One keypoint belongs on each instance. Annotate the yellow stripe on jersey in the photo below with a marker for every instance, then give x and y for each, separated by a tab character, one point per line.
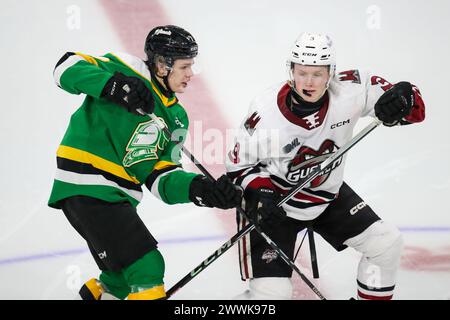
96	161
163	164
89	59
154	293
166	101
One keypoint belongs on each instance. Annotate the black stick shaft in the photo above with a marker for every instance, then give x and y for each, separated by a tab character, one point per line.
252	226
205	263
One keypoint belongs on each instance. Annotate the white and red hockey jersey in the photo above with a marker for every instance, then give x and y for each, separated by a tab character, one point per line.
276	148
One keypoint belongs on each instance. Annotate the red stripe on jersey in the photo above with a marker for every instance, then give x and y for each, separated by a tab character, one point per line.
244	251
369	297
302	196
259	182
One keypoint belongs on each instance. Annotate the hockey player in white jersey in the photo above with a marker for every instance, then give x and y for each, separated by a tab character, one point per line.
292	127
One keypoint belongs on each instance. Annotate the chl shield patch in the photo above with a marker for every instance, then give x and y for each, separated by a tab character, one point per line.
145	142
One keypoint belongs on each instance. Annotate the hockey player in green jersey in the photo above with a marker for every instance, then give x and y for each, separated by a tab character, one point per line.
112	147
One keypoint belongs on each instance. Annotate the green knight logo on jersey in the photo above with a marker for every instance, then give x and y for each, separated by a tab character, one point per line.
145	142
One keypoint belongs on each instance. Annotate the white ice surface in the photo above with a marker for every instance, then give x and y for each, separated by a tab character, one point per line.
402	173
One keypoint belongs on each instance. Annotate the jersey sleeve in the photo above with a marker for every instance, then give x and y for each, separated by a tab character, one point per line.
375	86
168	181
245	161
79	73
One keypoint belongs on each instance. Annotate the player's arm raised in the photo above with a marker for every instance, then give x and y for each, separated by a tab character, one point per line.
395	104
79	73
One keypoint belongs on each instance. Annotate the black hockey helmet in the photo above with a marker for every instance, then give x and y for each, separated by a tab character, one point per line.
170	42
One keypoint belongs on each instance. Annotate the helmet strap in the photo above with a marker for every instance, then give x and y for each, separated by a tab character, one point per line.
166	82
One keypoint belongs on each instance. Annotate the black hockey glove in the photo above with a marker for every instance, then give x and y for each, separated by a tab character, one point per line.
395	104
221	194
261	205
130	93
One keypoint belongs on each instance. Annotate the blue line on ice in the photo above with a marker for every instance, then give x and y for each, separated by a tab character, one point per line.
425	229
73	252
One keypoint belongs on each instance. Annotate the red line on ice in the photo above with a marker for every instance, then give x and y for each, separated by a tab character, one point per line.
132	20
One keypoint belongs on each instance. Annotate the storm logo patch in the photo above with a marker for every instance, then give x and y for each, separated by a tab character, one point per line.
251	123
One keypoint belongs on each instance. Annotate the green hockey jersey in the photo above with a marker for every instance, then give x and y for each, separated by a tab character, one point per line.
109	153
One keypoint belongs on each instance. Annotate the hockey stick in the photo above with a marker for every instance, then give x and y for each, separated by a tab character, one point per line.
235	238
250	227
313	253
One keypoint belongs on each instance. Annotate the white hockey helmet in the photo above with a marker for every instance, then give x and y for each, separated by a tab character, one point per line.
313	49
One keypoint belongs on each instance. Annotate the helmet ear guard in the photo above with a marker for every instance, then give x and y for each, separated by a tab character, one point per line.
159	62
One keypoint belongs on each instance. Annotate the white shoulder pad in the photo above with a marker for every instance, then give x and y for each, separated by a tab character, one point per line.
351	80
134	63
